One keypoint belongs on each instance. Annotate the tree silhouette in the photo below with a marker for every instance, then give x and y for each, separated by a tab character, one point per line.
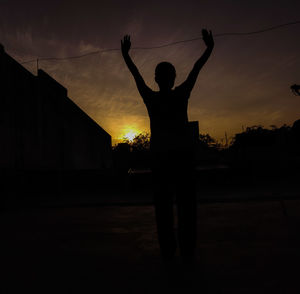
141	142
206	142
296	89
276	138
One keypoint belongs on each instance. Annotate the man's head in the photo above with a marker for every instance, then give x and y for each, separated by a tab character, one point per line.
165	75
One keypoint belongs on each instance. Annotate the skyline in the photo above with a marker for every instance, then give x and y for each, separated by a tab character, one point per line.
246	81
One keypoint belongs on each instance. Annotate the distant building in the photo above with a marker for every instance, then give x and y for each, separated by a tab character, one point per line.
41	128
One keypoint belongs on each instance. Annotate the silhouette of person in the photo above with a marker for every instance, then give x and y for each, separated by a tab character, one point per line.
171	151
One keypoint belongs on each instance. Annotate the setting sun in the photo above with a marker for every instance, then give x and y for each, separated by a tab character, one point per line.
130	135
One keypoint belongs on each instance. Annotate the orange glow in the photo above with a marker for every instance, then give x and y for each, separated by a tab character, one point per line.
129	133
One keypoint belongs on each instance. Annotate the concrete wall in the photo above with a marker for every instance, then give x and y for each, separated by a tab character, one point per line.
41	128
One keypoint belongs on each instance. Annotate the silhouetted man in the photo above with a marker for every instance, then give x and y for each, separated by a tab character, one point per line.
172	156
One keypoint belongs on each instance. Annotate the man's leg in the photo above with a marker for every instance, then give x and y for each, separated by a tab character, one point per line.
187	213
163	203
165	226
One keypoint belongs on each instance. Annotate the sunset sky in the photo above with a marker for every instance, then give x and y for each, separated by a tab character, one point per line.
246	81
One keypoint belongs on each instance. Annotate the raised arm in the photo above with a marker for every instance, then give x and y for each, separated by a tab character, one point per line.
192	77
141	85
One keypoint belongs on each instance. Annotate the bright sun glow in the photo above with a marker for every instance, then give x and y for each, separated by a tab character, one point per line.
130	135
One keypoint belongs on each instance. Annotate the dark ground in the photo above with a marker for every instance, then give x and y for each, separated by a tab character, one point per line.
243	247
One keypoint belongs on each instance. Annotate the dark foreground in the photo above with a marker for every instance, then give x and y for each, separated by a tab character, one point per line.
243	247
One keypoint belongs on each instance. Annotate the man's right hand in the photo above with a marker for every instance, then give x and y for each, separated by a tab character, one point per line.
125	44
208	39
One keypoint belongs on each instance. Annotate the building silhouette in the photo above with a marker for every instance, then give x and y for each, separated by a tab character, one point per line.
41	128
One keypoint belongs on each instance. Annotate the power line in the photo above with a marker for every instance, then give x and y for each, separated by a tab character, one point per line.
259	31
164	45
